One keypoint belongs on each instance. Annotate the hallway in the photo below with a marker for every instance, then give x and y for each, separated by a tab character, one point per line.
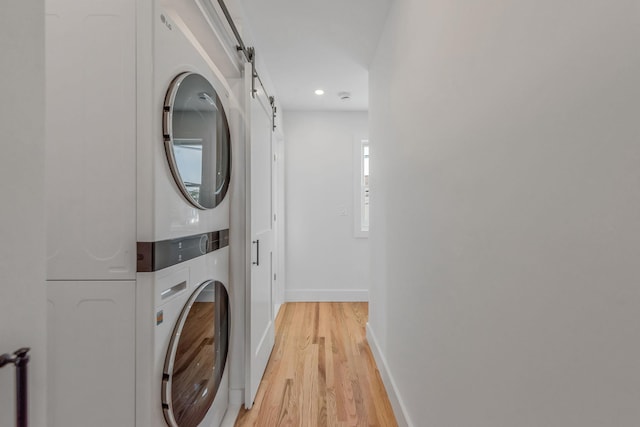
321	371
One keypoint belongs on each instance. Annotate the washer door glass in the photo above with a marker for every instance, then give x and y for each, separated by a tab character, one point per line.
197	140
197	356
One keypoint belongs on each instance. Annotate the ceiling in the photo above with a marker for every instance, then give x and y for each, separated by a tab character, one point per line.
317	44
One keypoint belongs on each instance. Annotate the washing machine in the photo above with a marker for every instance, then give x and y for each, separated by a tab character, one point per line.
182	295
185	382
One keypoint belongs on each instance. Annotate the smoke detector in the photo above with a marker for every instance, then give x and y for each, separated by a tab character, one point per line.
344	96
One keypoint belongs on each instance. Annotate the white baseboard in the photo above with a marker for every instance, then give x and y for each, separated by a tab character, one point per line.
326	295
399	408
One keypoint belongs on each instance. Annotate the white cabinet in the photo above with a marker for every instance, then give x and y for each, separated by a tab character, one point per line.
90	188
90	139
91	354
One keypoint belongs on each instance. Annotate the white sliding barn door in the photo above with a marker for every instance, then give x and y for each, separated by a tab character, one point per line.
259	321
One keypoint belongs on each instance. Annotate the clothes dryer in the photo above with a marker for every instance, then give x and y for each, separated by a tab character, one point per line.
184	145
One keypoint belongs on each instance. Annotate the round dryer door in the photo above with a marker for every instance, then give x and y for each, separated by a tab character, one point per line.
197	140
197	356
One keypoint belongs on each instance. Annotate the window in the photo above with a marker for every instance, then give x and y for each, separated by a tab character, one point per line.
364	185
361	188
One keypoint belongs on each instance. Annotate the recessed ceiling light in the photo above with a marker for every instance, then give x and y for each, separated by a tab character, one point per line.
319	92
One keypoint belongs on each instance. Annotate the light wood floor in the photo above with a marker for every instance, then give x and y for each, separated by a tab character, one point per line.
321	372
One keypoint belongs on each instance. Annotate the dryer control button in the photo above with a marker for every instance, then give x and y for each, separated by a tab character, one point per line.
204	240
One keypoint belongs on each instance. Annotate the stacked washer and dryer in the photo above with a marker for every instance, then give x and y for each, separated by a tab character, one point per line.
184	170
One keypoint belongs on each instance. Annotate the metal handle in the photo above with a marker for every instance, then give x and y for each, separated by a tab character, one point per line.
257	261
20	359
173	290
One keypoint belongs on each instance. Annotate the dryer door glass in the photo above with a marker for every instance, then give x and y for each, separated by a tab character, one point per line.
197	140
197	356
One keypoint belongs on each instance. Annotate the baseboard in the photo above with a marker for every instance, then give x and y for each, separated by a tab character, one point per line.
399	408
326	295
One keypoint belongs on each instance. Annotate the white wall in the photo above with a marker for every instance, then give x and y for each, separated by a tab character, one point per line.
22	256
505	226
324	261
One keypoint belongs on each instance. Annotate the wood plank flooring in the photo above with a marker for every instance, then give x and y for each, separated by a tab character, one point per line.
321	372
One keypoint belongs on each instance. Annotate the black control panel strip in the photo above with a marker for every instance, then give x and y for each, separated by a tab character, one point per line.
154	256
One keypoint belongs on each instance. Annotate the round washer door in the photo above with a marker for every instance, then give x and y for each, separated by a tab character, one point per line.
197	140
197	356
